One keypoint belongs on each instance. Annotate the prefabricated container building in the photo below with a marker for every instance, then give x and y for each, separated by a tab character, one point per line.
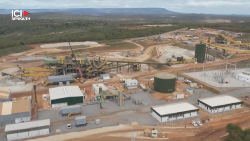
27	129
64	96
170	112
5	95
105	77
218	104
243	77
131	84
80	120
15	111
71	109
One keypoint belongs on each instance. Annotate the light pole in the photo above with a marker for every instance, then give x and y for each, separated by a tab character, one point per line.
203	65
194	65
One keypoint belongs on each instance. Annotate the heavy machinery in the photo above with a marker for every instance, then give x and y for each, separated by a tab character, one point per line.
170	62
73	113
35	75
78	67
11	76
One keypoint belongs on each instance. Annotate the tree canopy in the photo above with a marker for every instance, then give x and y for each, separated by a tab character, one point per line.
236	133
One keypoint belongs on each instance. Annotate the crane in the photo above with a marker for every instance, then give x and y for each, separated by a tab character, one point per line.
78	68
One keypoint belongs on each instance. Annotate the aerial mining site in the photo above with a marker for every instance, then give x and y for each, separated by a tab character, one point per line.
184	84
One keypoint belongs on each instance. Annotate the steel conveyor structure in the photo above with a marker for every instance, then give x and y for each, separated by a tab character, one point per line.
227	48
234	43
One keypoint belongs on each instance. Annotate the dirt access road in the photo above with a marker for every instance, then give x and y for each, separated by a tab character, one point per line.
212	131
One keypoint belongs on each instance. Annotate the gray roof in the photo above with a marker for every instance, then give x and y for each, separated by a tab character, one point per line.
104	74
60	78
165	76
80	117
27	125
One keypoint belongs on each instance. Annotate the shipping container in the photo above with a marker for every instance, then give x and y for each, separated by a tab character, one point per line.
180	78
193	85
190	91
97	121
71	110
81	121
179	96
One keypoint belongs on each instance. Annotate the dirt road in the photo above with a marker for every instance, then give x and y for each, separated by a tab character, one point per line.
209	132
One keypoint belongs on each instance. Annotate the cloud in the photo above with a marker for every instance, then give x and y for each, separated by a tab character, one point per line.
212	3
186	6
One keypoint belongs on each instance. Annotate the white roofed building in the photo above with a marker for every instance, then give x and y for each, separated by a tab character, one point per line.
105	77
31	129
170	112
243	77
219	103
5	95
131	83
64	96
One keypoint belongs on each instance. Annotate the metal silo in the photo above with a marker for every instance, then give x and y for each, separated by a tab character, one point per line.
200	52
164	83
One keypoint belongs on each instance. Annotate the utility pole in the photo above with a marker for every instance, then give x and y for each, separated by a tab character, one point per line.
100	97
34	87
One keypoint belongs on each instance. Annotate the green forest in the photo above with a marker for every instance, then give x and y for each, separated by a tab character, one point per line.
16	35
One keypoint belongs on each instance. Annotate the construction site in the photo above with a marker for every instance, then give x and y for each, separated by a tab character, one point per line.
129	93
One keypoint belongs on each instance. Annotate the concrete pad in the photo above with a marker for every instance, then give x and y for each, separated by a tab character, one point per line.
209	78
169	51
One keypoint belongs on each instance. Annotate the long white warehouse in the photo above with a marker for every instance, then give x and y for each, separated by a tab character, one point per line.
170	112
24	130
219	103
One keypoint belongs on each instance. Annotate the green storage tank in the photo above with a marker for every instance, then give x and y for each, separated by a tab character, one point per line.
200	52
164	83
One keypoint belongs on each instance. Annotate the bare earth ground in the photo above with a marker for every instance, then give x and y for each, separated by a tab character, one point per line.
209	132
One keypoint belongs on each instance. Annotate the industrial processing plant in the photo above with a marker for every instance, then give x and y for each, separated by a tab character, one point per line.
180	84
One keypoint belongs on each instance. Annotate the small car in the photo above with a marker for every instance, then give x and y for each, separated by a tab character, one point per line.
194	123
69	126
199	123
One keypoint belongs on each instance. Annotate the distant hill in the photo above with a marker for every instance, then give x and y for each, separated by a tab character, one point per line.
100	11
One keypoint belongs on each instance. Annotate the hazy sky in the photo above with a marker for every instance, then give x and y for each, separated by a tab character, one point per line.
184	6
